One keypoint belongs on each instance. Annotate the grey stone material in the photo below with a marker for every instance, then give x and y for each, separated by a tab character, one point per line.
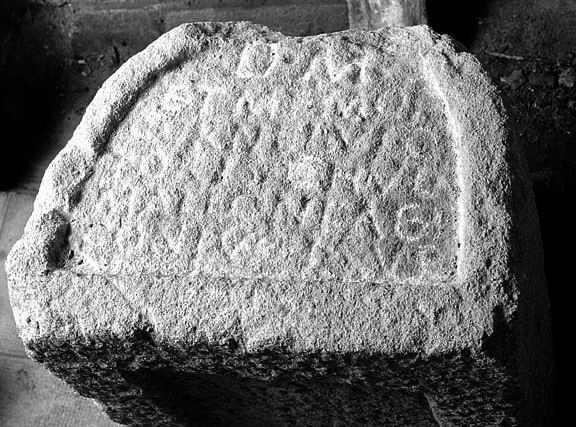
254	229
374	14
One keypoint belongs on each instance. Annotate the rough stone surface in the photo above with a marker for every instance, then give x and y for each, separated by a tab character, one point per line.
253	229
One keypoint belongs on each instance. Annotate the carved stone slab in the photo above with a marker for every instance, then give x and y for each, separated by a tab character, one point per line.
337	228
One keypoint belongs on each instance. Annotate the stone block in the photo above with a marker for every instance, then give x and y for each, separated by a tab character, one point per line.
253	229
374	14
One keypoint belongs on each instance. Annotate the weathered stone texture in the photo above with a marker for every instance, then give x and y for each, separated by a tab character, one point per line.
311	180
253	229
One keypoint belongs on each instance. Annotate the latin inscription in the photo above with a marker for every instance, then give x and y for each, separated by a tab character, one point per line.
316	159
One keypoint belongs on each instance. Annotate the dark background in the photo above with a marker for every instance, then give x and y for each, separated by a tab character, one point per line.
54	54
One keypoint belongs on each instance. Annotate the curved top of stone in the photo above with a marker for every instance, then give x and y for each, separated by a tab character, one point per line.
231	151
268	156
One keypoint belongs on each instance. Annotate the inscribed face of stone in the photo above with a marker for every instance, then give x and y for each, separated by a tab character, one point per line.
315	158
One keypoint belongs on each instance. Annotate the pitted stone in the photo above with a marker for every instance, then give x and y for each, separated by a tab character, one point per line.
290	218
312	197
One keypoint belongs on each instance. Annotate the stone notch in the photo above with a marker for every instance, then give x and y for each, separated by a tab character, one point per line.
253	229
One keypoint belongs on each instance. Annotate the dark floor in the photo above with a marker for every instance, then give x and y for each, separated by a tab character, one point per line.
54	54
30	395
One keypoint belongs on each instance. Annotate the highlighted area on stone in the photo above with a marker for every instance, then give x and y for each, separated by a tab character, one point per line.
253	229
